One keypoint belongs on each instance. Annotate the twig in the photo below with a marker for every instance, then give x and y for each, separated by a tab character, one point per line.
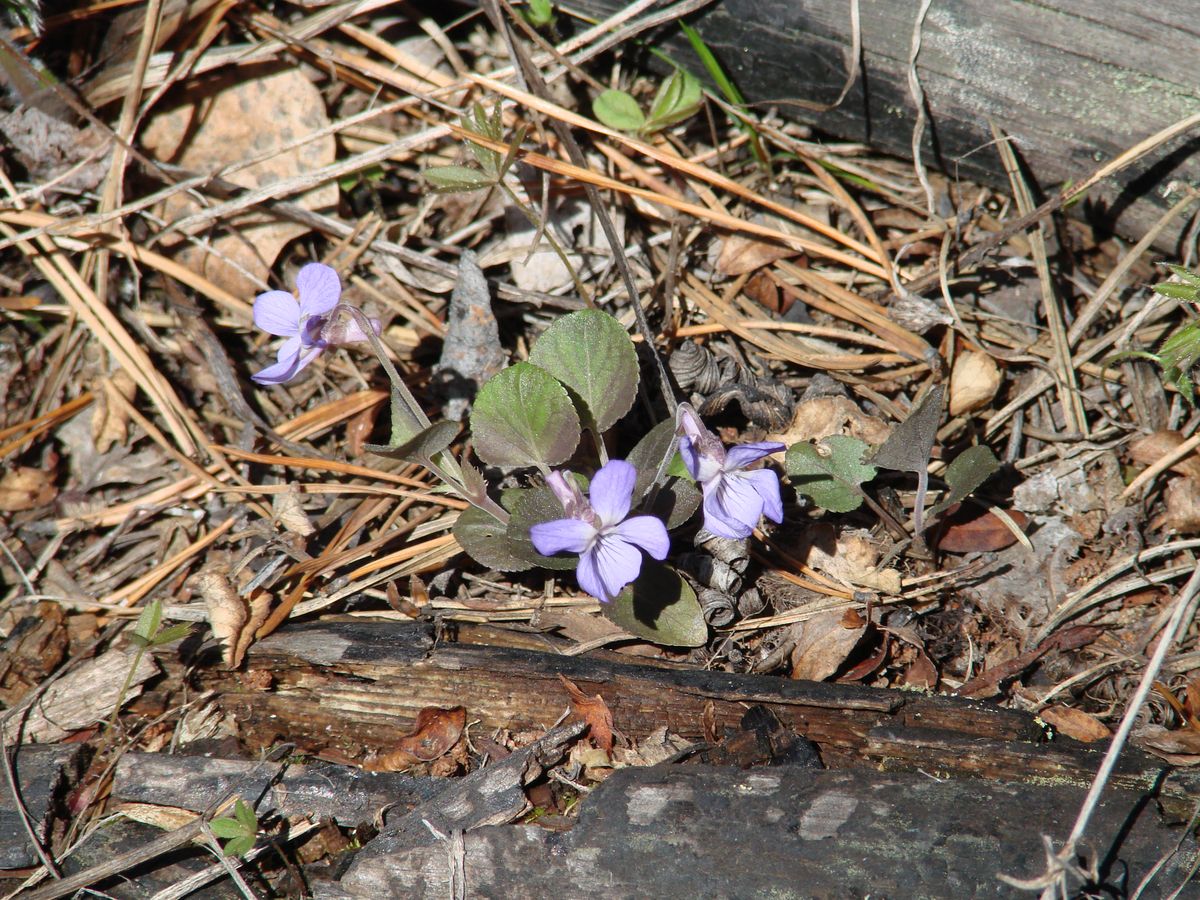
1182	614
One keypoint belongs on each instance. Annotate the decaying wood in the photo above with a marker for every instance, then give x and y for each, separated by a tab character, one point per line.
700	831
1073	83
40	773
345	794
353	685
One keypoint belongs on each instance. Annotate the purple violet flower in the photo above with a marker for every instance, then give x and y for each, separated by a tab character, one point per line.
596	528
305	323
734	500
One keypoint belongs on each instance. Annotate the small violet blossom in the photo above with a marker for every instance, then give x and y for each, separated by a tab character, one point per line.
597	529
306	322
734	500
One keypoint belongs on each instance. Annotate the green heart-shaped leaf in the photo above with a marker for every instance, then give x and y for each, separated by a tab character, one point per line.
969	470
522	416
831	473
591	353
660	607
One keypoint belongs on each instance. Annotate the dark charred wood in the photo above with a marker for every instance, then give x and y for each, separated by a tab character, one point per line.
784	832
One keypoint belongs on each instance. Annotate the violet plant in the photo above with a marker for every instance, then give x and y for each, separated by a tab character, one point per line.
582	377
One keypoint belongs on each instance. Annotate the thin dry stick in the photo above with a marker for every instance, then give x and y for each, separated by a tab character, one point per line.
918	96
1068	387
114	185
1182	614
977	252
1096	303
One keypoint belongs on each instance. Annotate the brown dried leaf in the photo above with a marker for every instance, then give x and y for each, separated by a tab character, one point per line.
227	614
822	646
761	288
220	123
24	487
971	529
1180	747
359	429
740	254
974	382
1146	451
1075	723
1183	506
922	673
849	557
110	421
595	712
435	733
1191	697
289	512
819	417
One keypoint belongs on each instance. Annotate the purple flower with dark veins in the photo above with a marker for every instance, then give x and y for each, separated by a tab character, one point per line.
734	499
609	545
305	322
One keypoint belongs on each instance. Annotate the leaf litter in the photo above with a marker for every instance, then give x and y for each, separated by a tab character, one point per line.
775	311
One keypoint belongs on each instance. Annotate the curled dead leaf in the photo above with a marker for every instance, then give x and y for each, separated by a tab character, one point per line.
594	711
820	417
974	382
24	487
289	512
110	420
434	734
1075	723
227	613
1146	451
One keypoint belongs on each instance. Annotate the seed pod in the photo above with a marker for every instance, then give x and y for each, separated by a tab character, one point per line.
718	607
695	368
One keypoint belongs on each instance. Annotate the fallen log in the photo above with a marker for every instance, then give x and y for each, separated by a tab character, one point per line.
702	831
1073	83
352	686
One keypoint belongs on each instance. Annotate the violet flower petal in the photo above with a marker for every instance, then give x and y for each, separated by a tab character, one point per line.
305	358
608	566
612	491
690	456
319	288
741	455
572	535
646	532
766	483
732	507
278	313
286	365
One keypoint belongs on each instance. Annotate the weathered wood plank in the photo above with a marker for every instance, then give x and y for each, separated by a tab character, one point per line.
1074	82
